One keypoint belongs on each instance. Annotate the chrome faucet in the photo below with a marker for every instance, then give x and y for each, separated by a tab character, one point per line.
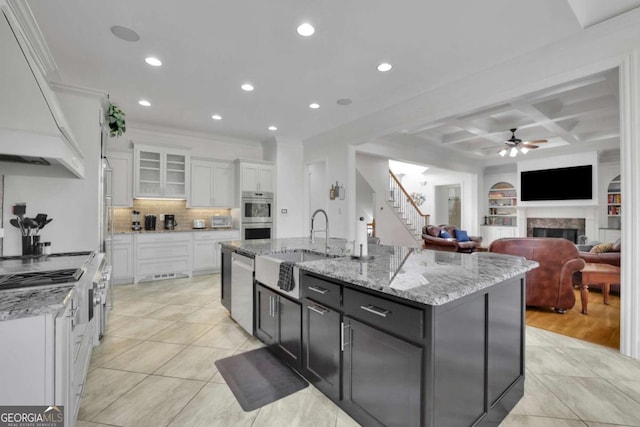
326	230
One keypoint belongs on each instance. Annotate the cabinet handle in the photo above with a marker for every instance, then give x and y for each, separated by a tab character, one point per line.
375	310
342	335
270	306
315	309
318	290
276	308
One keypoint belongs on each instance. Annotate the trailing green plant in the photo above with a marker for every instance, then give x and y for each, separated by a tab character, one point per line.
117	123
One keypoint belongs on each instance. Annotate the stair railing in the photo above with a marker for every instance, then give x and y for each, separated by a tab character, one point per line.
414	219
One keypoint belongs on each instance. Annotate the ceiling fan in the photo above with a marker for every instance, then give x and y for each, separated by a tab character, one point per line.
513	145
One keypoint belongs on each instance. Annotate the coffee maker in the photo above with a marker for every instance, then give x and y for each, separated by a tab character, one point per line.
170	222
149	222
135	221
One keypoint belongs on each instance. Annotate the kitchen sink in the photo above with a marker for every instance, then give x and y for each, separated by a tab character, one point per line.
267	268
298	256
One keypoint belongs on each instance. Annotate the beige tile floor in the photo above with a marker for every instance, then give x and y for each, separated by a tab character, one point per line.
155	368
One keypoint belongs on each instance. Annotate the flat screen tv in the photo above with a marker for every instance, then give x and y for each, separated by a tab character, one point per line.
573	183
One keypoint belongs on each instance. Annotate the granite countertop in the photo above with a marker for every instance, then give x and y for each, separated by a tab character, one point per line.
420	275
177	230
252	248
35	301
50	299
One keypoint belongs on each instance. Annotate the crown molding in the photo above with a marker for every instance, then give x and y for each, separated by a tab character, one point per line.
79	90
149	129
34	38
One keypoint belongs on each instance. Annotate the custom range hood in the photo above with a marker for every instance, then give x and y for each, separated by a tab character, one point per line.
35	138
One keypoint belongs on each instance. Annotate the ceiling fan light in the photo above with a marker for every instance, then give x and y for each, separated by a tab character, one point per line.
513	152
503	152
524	150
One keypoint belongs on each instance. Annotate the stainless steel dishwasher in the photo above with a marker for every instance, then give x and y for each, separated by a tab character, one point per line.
242	291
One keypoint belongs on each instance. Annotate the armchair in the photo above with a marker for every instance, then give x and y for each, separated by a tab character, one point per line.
549	285
432	240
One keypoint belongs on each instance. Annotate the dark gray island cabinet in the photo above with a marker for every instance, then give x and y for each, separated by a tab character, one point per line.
390	361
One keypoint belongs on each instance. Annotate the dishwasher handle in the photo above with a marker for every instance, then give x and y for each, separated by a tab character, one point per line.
242	261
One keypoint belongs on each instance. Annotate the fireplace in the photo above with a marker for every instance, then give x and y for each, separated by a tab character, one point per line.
570	234
566	228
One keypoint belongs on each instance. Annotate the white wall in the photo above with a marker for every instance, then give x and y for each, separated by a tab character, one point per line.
416	183
365	197
289	187
340	166
72	203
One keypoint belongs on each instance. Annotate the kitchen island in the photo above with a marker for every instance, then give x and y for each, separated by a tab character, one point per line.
410	337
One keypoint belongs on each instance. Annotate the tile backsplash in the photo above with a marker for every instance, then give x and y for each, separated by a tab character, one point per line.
184	216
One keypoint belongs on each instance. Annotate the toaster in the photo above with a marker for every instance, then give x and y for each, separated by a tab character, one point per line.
198	223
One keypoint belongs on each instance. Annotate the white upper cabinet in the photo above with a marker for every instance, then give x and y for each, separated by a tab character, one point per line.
257	177
161	172
212	184
122	178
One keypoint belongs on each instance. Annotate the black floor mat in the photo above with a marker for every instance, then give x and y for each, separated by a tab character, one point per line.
257	378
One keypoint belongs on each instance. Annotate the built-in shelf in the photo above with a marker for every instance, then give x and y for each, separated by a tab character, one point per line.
502	203
614	202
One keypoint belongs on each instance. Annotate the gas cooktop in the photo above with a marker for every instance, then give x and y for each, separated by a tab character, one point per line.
23	271
40	278
35	257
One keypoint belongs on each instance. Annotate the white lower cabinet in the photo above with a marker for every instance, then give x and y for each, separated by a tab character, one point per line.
492	232
163	256
206	249
152	256
609	235
45	361
122	258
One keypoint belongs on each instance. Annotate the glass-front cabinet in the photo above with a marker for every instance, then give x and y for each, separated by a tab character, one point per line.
502	205
160	172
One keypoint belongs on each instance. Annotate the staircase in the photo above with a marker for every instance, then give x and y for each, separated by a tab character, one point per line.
405	209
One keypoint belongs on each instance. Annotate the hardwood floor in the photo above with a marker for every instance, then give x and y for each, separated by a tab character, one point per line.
600	326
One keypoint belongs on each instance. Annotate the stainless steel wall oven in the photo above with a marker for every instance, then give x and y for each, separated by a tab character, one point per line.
257	207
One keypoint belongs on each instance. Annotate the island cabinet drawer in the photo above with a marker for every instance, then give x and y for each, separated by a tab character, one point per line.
321	291
399	319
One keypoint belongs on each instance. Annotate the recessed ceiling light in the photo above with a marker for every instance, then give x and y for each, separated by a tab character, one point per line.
216	117
314	105
305	29
144	103
153	61
247	87
125	33
273	128
343	101
385	66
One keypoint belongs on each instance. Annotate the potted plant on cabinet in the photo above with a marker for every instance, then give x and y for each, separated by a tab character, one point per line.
117	124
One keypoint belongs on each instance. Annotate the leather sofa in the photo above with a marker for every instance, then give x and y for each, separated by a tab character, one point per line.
549	285
432	240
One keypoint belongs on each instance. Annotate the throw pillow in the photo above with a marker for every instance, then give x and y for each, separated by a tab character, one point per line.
616	246
601	248
445	235
462	236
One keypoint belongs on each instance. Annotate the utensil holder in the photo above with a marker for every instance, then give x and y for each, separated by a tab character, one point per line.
27	245
35	246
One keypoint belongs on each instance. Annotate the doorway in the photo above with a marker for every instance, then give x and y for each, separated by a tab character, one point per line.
448	205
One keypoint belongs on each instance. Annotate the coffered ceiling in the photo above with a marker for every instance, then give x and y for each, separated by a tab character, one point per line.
578	116
209	48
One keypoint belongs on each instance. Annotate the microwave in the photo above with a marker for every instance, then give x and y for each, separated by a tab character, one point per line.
221	221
